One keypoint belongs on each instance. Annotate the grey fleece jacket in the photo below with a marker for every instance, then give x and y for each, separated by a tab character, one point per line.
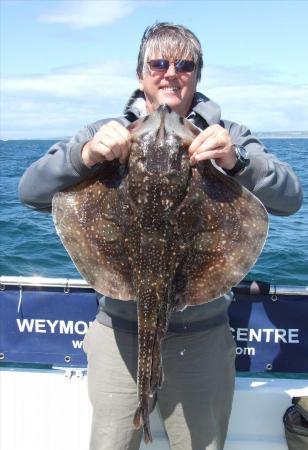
271	180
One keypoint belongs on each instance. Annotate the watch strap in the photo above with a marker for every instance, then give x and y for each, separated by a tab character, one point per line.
240	164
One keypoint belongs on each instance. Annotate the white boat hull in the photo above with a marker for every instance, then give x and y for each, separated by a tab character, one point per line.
48	410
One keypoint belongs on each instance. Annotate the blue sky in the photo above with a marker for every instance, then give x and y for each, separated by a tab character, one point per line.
66	63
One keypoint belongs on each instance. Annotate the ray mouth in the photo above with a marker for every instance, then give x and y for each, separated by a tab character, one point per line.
160	168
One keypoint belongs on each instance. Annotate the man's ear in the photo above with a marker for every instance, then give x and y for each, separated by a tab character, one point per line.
141	84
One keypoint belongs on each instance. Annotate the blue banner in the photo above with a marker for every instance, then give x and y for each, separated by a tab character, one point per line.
47	326
271	332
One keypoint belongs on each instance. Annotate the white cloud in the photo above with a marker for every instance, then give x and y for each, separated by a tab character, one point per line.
262	100
89	13
62	101
103	80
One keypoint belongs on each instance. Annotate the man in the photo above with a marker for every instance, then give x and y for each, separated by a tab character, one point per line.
196	396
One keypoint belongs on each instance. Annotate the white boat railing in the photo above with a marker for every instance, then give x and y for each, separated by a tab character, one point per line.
43	282
68	283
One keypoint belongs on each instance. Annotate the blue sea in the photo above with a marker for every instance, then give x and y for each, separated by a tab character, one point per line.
30	246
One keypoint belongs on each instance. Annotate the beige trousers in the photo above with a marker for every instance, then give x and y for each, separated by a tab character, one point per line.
195	399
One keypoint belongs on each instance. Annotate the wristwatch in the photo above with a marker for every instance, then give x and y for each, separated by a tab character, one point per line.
242	160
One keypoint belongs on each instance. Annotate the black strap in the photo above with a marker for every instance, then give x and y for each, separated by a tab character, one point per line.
186	327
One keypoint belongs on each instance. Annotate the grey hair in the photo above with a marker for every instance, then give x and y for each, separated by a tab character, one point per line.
169	41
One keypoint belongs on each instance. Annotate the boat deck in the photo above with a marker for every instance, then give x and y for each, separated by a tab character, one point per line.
50	410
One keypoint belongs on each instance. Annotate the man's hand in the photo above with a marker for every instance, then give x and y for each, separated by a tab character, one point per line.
110	142
213	143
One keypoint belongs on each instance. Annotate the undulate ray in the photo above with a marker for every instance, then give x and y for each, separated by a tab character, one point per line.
161	232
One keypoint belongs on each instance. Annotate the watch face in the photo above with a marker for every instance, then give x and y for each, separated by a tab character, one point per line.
242	160
242	154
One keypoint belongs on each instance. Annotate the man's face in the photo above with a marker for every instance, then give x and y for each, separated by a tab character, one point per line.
174	88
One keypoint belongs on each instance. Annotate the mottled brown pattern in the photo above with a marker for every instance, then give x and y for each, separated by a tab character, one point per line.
161	232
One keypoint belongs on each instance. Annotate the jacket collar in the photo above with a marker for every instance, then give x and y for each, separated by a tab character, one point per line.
201	106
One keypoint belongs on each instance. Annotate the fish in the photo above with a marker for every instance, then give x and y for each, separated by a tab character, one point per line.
160	231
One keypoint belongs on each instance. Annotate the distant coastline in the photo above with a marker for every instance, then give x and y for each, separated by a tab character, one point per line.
281	134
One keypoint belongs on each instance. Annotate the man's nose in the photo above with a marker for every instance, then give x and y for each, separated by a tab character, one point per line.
171	72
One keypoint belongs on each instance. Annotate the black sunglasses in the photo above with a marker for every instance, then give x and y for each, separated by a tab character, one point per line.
181	65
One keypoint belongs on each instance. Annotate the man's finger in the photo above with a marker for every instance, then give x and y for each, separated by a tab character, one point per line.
122	137
106	151
205	155
201	138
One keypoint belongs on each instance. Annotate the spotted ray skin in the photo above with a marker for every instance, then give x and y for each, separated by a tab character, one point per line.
161	232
